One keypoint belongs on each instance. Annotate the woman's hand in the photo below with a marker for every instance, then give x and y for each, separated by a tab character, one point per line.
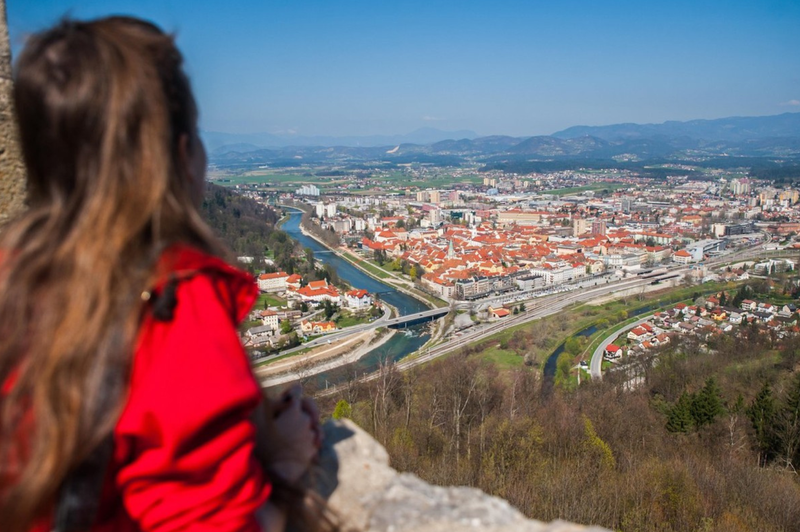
297	435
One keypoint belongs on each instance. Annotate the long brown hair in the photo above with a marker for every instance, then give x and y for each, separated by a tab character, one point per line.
102	108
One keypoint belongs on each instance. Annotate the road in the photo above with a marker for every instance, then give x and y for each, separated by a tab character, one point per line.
595	366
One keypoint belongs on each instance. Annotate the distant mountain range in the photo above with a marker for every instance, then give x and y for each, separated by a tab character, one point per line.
734	129
769	137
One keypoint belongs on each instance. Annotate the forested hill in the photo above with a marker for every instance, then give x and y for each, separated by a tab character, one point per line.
248	228
243	224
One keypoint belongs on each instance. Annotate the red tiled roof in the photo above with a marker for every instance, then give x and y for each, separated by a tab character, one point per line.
276	275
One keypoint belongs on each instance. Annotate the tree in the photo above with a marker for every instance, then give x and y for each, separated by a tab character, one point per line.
597	446
762	414
342	410
573	345
735	434
788	424
286	327
743	293
331	275
293	341
329	308
707	404
522	307
680	418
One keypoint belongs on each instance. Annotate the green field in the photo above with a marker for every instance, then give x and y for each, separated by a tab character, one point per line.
372	269
271	300
594	187
386	182
270	178
270	361
348	319
502	358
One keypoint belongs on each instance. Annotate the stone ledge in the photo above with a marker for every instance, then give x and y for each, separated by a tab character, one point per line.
369	496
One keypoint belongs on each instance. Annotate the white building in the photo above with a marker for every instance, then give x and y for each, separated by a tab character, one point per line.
272	282
683	257
307	190
358	299
556	274
324	210
270	319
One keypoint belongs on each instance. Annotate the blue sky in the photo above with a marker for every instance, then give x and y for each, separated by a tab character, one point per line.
352	67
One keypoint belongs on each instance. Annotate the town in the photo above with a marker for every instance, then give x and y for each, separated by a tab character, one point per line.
489	246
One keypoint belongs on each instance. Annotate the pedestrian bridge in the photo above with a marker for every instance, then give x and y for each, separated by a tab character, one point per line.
414	319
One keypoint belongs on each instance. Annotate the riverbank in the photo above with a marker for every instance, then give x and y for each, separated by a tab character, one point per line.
324	358
395	283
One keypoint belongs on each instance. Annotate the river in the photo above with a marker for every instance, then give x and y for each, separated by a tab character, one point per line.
401	344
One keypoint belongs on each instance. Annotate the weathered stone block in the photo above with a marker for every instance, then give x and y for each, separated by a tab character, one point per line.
368	495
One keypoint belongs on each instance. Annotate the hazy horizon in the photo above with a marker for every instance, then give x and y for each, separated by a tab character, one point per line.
314	68
478	134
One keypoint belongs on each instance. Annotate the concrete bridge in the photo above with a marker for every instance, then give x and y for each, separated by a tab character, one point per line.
413	319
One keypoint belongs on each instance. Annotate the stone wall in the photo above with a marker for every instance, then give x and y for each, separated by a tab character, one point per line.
12	178
369	496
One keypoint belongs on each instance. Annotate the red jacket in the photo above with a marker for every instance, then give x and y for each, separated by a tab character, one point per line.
183	447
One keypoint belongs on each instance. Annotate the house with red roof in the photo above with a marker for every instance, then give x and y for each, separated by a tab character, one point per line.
612	351
661	339
749	304
357	299
499	312
293	281
317	327
318	291
638	334
683	257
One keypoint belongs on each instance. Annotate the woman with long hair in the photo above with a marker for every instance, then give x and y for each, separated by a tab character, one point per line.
126	399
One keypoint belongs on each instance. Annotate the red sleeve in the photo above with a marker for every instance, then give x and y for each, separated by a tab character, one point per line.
185	439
